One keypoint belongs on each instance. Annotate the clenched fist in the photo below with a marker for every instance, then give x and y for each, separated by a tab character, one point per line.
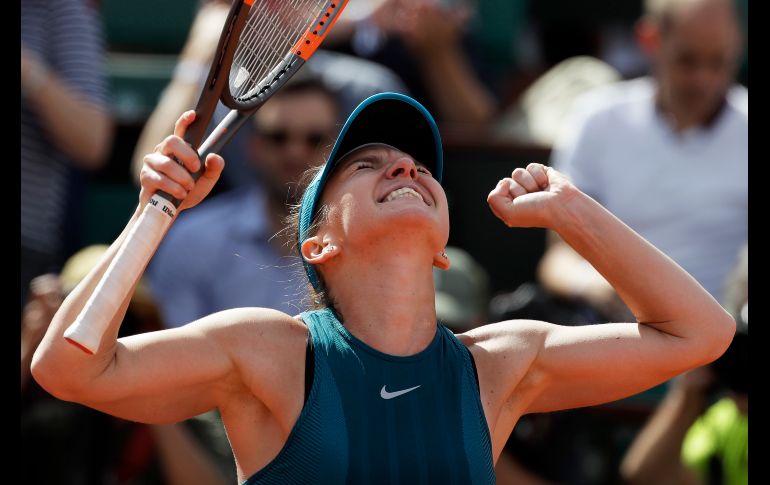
531	196
161	171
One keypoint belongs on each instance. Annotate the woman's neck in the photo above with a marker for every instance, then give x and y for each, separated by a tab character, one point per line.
387	301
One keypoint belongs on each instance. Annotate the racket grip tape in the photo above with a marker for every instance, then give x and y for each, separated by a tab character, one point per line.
124	270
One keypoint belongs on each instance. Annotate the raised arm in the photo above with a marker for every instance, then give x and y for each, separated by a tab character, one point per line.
566	274
680	326
158	376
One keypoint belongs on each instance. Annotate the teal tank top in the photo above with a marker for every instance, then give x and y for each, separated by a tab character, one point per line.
374	418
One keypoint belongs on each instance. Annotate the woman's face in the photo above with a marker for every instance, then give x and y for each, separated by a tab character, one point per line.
381	192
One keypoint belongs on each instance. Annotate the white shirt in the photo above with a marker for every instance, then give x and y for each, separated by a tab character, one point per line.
685	193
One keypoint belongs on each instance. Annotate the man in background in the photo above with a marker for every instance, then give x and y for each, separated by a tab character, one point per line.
668	154
232	252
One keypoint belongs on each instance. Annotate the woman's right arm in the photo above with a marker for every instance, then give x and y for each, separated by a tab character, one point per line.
158	376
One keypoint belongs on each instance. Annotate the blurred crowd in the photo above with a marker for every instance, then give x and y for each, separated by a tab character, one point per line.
643	104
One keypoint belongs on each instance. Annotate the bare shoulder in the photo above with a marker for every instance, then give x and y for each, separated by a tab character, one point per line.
519	336
504	353
255	331
251	322
267	348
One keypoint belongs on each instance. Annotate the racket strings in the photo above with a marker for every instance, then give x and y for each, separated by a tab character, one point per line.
272	29
249	39
266	56
286	37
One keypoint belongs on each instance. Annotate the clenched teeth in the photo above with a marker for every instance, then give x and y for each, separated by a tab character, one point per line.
403	192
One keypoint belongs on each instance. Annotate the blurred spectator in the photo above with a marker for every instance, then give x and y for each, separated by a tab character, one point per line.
462	292
690	440
189	75
45	296
67	443
426	43
655	152
540	114
232	252
351	79
65	123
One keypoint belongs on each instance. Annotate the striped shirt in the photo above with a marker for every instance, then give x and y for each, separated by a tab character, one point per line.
66	35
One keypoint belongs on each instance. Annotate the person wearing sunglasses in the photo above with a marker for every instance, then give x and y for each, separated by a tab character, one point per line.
232	235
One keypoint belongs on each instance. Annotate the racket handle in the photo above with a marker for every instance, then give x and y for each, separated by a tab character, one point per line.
222	134
124	270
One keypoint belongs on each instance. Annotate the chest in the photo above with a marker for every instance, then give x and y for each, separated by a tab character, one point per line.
406	421
371	418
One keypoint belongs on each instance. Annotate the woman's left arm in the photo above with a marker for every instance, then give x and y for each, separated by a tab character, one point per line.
679	325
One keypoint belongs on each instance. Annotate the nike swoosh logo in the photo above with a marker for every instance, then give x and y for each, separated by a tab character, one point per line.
390	395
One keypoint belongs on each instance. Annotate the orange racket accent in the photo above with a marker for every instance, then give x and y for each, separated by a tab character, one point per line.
266	62
313	37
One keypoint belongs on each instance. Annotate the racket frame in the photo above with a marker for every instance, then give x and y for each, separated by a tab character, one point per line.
144	237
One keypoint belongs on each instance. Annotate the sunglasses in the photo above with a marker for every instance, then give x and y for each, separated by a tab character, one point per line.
281	138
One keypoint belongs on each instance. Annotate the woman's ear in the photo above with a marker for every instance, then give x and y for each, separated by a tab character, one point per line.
441	260
317	251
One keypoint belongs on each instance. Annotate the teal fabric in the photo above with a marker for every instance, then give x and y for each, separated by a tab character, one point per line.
348	433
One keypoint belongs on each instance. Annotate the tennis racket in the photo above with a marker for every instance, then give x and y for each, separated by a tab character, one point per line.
262	45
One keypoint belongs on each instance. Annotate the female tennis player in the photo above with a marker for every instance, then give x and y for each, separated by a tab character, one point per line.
369	387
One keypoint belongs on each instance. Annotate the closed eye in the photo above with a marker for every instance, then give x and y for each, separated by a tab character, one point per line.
361	165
